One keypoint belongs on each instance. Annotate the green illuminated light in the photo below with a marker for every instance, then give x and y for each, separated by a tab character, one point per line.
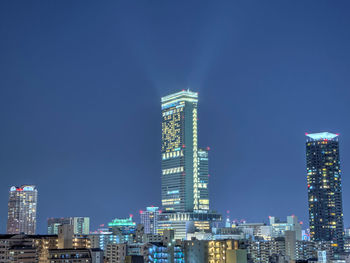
122	222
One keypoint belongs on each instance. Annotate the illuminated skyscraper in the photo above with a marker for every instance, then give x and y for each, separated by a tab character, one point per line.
203	178
185	177
324	189
149	219
181	183
22	210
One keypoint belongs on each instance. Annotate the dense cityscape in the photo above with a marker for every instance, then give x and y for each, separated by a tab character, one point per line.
184	227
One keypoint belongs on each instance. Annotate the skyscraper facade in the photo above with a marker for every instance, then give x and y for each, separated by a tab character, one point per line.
22	208
203	178
185	174
81	225
324	189
181	184
149	218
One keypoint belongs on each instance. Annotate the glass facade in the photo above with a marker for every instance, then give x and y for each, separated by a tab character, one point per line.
203	179
183	181
81	225
324	189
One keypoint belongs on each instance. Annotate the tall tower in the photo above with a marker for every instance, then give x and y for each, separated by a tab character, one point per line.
324	189
22	210
185	175
180	178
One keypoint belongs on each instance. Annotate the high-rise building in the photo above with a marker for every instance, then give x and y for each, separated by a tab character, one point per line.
185	175
22	210
203	179
181	184
81	225
149	218
324	189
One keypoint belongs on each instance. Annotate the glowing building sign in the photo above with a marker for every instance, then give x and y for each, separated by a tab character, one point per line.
122	222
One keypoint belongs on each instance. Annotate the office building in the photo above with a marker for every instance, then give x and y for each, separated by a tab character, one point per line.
185	174
203	179
180	180
102	237
54	223
324	189
278	227
22	208
124	229
149	218
81	225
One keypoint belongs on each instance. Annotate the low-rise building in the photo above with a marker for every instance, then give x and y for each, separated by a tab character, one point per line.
81	255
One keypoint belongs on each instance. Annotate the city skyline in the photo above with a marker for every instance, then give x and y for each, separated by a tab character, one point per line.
80	102
185	102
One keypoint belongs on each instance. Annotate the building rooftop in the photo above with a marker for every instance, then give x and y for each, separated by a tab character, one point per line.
185	95
322	135
122	222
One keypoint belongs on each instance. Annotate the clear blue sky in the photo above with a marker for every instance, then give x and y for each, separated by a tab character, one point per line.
80	88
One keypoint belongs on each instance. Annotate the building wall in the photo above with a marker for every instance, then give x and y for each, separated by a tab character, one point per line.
116	253
149	218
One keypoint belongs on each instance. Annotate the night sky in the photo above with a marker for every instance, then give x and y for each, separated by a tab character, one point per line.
80	89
